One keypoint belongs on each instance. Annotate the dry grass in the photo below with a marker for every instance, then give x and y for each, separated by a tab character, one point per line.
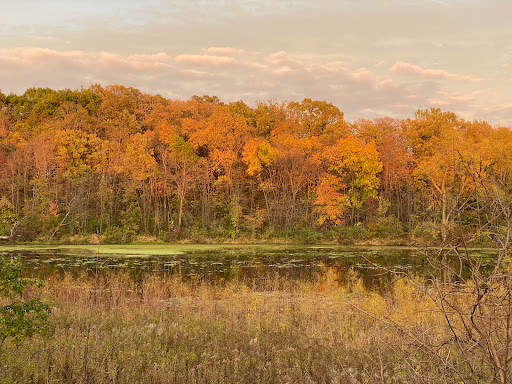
272	330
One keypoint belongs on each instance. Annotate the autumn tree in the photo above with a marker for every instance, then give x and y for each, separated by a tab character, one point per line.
295	171
350	177
396	188
314	118
140	168
179	162
117	112
437	140
221	140
78	155
92	159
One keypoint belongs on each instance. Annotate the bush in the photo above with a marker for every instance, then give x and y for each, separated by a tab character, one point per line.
131	222
351	234
113	235
427	232
163	236
307	236
20	318
387	227
7	216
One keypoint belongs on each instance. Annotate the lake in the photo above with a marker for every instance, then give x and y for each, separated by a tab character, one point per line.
219	263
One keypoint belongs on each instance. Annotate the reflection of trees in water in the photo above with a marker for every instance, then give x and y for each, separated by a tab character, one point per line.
371	265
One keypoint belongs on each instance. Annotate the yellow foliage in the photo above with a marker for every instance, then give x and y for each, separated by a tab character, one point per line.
350	178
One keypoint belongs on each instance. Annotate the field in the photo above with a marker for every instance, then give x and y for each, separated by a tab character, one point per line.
273	330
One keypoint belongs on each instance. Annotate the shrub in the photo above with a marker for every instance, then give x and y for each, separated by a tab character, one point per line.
20	318
7	216
351	234
113	235
387	227
307	236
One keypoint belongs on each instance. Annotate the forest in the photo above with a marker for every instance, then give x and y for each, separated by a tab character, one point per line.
117	165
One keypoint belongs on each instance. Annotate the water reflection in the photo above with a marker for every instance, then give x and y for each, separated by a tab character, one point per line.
301	263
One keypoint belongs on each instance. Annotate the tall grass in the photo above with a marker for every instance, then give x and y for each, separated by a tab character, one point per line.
269	330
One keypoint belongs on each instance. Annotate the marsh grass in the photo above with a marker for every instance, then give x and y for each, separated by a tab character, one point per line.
267	330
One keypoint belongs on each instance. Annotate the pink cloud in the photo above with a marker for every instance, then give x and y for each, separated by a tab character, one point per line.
208	60
223	51
284	70
43	57
135	62
36	57
328	67
280	55
401	67
257	66
362	75
359	91
192	73
284	58
144	63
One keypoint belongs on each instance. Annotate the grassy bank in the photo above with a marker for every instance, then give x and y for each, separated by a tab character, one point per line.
113	330
341	235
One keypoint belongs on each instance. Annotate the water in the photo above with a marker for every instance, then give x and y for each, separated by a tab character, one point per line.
374	265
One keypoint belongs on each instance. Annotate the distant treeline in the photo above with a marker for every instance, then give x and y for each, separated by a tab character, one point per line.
123	163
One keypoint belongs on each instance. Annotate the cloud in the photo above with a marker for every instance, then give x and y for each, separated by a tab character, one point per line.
193	74
362	75
135	62
223	51
404	68
207	60
31	58
231	74
399	62
36	57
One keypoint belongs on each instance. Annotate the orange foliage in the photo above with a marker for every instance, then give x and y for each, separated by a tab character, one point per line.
102	153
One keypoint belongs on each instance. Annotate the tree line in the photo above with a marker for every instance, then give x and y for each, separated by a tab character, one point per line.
121	163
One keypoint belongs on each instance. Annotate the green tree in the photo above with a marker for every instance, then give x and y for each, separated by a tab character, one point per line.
20	317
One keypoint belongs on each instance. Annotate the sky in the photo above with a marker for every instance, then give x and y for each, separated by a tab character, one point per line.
370	58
